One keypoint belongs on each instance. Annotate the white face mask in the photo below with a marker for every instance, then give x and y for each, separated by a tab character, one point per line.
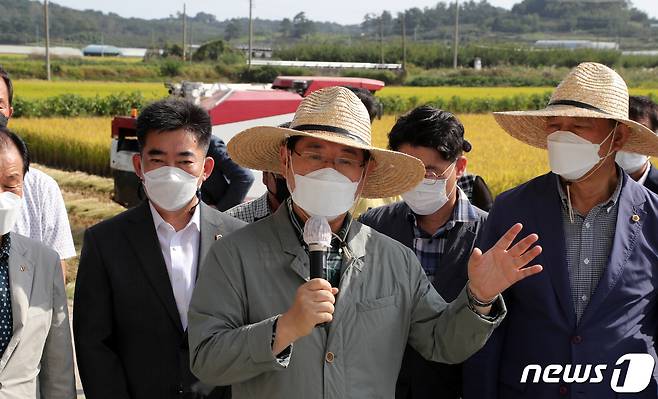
429	196
324	192
572	156
630	161
170	188
10	207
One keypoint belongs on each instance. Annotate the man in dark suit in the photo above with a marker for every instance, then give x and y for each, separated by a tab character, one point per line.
138	269
569	330
229	183
642	110
437	221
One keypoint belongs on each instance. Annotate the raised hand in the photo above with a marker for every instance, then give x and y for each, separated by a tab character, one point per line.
501	266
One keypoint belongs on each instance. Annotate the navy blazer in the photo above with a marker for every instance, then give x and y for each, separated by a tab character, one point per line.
540	327
420	378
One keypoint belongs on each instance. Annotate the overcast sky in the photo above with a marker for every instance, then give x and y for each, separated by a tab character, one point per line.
342	11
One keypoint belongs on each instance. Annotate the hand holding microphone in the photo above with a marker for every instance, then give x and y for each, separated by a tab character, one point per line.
317	235
315	299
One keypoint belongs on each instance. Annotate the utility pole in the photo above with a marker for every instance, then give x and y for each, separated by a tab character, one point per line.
381	39
251	31
456	48
190	41
45	17
184	32
404	41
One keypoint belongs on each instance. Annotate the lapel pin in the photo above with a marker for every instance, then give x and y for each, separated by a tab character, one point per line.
218	236
635	218
22	268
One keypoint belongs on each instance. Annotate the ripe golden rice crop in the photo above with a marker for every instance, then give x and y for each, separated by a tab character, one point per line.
68	143
425	94
430	93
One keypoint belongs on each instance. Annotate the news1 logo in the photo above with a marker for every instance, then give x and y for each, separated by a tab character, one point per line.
632	373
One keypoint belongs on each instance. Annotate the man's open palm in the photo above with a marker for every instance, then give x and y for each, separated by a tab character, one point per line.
501	266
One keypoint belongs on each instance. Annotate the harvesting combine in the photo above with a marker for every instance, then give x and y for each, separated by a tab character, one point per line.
232	108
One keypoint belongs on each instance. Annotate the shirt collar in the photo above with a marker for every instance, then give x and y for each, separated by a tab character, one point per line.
644	176
298	225
195	221
261	207
463	212
606	204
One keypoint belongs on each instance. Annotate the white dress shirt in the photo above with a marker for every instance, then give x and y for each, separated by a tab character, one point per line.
180	250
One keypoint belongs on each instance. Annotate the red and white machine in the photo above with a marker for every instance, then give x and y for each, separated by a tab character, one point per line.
232	108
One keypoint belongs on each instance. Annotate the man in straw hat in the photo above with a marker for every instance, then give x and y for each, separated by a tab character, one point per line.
254	310
599	233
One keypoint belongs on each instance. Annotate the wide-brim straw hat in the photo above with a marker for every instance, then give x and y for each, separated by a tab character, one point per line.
334	114
590	90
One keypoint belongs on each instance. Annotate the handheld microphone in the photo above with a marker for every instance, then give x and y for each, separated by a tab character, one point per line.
317	235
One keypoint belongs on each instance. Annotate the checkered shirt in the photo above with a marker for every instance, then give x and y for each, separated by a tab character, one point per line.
430	247
251	211
466	183
588	241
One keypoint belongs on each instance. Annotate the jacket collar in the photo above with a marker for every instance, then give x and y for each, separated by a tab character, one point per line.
287	235
21	274
630	217
212	229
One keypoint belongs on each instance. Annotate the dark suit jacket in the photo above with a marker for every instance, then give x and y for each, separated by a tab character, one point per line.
128	335
420	378
540	327
229	183
652	180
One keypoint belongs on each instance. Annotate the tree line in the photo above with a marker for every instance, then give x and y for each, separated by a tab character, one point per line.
21	22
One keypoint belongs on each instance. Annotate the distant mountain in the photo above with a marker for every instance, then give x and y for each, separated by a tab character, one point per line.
21	22
479	19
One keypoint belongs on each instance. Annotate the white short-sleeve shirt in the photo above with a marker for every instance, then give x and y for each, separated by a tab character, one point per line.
43	216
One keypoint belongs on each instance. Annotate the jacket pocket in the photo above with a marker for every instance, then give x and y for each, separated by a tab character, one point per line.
377	303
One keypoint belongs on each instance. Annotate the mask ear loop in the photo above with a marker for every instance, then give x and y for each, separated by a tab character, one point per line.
357	198
589	174
292	169
454	188
197	195
141	189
